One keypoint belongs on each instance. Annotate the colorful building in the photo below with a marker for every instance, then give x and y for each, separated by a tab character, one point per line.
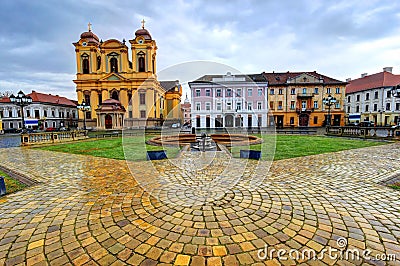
186	112
369	98
46	111
110	70
229	101
296	99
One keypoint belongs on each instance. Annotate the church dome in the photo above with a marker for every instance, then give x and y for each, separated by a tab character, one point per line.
144	33
90	36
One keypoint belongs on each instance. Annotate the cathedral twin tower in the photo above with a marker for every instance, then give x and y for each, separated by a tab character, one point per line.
123	93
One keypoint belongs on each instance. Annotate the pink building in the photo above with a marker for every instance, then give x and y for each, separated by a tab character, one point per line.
186	111
229	101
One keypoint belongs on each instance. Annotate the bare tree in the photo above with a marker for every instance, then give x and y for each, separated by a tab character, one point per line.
5	93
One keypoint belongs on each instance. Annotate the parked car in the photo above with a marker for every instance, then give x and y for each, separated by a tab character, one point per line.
50	129
354	124
367	124
12	130
396	126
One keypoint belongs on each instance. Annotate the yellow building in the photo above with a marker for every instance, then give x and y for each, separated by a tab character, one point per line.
109	70
296	99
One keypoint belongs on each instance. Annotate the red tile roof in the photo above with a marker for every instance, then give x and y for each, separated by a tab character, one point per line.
48	98
4	100
378	80
276	78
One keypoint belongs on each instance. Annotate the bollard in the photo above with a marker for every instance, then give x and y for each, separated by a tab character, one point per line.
2	186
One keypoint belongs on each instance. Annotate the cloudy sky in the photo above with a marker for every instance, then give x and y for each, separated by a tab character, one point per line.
340	39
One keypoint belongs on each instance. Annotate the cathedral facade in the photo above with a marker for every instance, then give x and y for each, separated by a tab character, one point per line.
121	86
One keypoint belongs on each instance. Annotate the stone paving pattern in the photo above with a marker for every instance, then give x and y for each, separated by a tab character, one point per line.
91	211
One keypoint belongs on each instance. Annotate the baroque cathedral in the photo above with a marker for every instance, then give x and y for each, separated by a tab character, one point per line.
121	89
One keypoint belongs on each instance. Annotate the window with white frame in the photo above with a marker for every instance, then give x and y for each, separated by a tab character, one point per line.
197	93
229	106
208	106
198	106
229	92
219	106
238	106
208	92
292	105
239	92
249	92
249	106
219	94
260	91
328	90
259	105
316	104
337	90
293	91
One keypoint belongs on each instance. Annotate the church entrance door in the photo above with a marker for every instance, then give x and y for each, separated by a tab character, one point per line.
108	122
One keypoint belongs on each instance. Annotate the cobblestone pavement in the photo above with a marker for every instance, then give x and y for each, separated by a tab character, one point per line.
91	211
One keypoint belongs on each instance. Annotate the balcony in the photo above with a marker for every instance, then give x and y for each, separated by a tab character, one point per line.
305	95
304	110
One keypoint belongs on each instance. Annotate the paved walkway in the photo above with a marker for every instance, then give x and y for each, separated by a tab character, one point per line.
92	211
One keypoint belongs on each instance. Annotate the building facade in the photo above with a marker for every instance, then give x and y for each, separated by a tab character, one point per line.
45	111
296	99
229	101
105	70
186	112
370	98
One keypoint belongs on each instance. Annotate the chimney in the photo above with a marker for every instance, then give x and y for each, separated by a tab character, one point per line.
388	69
363	75
348	79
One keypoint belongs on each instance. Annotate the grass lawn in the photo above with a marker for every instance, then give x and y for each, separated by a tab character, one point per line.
290	146
12	185
113	148
395	186
287	146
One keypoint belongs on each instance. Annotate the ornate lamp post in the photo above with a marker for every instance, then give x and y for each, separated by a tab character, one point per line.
21	100
396	94
84	108
329	101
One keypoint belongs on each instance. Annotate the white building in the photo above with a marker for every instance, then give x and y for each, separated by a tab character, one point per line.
370	98
229	101
45	111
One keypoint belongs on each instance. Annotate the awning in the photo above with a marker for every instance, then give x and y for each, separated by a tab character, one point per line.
31	122
355	117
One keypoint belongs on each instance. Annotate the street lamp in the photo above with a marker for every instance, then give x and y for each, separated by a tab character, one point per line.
21	100
84	108
329	101
396	91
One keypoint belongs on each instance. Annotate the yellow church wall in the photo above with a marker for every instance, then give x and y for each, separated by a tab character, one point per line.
126	80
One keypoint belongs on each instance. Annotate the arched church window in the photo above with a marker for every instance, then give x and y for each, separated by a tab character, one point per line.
98	62
115	96
141	62
114	65
85	64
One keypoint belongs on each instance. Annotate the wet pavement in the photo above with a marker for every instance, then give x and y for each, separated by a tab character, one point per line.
92	211
8	141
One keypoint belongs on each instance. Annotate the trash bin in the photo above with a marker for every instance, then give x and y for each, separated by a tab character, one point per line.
2	186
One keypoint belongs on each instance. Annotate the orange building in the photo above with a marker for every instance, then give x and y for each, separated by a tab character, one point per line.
296	99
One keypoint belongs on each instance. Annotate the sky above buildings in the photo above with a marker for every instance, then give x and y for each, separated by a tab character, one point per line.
340	39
